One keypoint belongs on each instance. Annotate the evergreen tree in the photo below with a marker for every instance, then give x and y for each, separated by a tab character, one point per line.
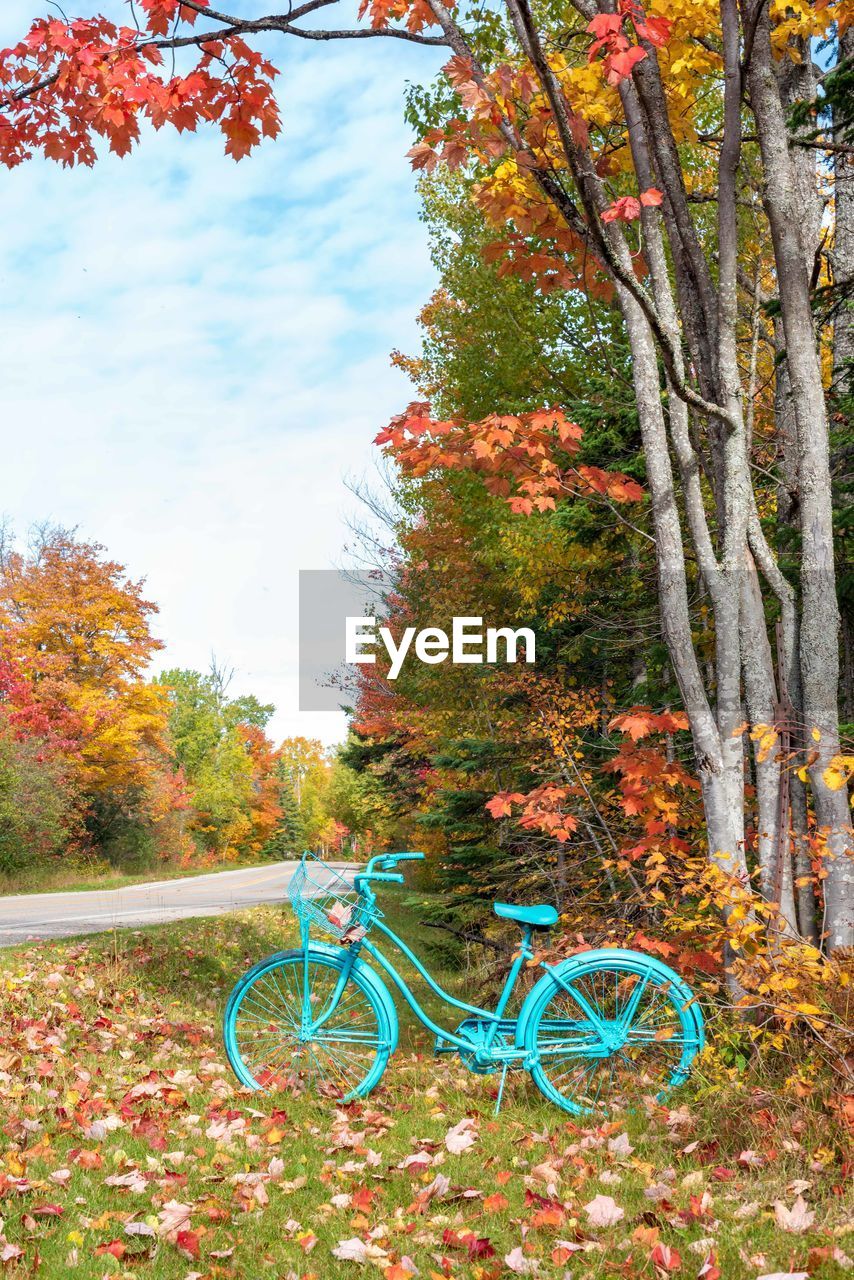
289	836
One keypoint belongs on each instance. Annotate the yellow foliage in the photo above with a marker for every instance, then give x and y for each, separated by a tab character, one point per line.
798	20
837	773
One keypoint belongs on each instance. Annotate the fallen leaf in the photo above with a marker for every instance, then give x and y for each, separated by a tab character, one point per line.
603	1211
620	1146
173	1217
356	1250
461	1137
658	1191
516	1262
664	1258
116	1248
797	1219
786	1275
496	1203
710	1269
187	1242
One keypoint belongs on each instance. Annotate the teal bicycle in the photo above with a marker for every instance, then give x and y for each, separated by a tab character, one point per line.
595	1031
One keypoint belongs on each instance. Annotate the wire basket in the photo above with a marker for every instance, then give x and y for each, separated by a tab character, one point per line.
322	897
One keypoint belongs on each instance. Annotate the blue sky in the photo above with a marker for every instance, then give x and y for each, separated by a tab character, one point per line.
195	353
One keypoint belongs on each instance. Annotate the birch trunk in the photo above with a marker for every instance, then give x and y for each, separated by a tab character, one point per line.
843	247
820	615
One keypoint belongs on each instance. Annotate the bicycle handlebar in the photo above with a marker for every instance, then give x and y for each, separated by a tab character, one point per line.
388	877
388	861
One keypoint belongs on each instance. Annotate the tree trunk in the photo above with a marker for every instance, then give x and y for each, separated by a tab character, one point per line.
842	257
820	615
772	845
721	779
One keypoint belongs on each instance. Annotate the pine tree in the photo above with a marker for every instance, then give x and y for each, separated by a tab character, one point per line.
289	837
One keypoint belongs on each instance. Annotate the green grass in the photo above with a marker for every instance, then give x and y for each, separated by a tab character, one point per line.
111	1067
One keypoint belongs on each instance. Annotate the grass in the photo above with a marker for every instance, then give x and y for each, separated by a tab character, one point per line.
128	1149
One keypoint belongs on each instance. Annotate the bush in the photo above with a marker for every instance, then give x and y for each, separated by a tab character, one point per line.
38	816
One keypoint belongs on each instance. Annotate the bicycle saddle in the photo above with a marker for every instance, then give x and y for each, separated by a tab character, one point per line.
539	917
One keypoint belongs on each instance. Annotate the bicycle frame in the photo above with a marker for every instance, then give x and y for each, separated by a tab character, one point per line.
494	1016
485	1049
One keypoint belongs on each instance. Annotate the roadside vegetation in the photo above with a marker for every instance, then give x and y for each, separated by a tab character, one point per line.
109	775
129	1149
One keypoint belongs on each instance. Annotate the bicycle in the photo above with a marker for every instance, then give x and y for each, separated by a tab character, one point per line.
596	1028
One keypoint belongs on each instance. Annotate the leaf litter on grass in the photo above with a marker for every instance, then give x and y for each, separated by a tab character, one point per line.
130	1150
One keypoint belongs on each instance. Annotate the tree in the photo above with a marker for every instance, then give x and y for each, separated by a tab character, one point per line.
641	156
360	806
288	838
38	809
219	744
77	635
304	762
95	756
701	451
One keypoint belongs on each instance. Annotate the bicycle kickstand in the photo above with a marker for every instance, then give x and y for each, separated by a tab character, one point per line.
501	1088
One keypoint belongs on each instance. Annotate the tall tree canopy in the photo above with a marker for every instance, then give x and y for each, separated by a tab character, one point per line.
648	158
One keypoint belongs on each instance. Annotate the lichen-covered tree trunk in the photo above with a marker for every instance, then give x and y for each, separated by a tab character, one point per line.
843	247
820	614
842	385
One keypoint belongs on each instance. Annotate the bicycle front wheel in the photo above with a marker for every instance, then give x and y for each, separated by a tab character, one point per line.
265	1033
622	1028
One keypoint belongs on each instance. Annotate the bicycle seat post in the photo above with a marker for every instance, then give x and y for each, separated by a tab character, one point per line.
524	954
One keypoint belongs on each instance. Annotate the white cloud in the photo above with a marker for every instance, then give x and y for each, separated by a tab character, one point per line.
196	352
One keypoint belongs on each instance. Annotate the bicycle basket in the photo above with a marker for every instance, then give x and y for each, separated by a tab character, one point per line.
322	897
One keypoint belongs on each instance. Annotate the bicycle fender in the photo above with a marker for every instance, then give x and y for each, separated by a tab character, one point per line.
564	971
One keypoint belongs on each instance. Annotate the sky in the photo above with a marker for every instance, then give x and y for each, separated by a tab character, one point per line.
195	353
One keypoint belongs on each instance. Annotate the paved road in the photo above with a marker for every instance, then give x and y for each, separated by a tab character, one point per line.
59	915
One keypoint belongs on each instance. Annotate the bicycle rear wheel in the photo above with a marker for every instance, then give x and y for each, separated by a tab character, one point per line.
622	1028
266	1041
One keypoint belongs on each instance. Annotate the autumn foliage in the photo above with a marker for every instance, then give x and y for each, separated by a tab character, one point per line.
518	456
100	761
67	84
611	177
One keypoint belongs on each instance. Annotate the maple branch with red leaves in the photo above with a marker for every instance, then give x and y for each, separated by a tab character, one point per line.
67	80
231	27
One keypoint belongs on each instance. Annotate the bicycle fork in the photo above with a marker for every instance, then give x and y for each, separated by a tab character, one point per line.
309	1026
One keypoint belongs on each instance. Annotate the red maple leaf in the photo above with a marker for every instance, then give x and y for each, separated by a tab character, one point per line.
626	209
188	1243
605	24
637	723
619	65
656	30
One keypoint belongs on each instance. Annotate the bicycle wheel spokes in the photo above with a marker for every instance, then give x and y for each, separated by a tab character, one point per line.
613	1033
580	1082
275	1038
